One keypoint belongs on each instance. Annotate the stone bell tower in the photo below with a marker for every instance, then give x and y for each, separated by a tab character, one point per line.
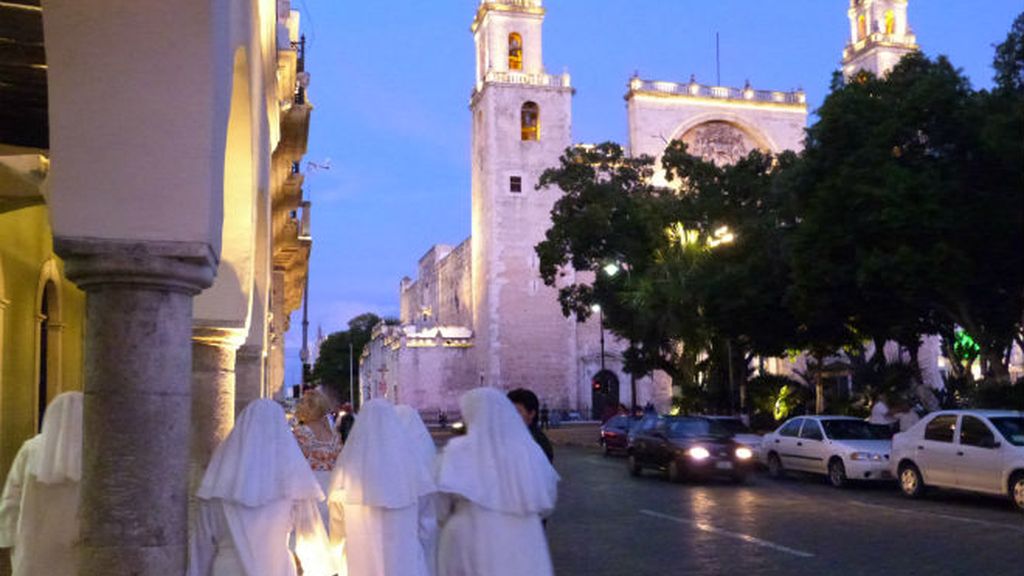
879	36
521	125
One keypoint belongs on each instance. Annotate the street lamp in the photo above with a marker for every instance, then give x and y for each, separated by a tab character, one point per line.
600	314
612	269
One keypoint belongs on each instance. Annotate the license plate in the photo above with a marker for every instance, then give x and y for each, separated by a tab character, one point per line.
723	465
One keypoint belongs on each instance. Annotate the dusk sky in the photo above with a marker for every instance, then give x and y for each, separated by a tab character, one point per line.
391	82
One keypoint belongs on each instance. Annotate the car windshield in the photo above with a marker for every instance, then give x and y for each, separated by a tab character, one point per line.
690	427
851	430
1011	427
732	425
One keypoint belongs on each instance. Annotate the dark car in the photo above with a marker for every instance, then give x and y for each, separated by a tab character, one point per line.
688	447
615	433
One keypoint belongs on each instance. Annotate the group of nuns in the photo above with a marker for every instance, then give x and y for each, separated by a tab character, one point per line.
475	509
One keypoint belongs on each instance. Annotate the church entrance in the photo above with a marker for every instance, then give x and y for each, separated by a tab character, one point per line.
604	400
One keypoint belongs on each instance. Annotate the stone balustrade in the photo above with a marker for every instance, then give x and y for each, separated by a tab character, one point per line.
527	79
695	90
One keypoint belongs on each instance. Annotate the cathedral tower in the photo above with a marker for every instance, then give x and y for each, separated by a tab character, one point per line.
879	36
521	125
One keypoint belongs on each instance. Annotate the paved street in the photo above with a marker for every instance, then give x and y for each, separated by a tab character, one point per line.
609	524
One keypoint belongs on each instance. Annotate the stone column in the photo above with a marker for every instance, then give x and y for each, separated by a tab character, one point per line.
138	366
213	392
249	366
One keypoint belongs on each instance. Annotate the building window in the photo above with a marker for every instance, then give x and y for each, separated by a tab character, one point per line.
530	120
862	27
515	184
890	22
515	51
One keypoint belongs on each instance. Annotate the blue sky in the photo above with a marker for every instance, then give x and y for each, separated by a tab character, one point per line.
391	83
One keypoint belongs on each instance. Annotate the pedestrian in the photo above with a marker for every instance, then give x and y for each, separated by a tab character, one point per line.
345	421
39	508
527	405
545	414
320	445
495	487
257	492
380	478
419	437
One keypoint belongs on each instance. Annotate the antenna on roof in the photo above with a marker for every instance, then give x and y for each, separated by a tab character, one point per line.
718	62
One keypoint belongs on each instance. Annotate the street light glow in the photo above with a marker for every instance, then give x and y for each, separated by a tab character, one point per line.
595	308
611	269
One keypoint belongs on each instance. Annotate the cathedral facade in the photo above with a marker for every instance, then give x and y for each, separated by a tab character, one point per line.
479	313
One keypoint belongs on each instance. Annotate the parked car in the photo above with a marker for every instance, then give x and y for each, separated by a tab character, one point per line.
972	450
688	447
615	433
842	447
740	432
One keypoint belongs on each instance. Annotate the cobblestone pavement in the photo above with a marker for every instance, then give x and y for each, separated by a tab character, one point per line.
610	524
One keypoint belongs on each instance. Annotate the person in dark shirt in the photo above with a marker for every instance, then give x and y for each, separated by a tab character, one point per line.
346	421
528	405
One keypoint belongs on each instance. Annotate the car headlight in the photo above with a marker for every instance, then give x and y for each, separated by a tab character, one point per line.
872	456
744	453
699	453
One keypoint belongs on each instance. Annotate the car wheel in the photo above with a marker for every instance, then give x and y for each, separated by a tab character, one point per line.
911	482
675	472
775	469
634	466
1017	490
837	473
607	451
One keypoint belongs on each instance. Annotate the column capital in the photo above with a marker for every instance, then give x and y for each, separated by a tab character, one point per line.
187	267
220	336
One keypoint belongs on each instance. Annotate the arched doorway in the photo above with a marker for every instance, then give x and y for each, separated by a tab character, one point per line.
604	392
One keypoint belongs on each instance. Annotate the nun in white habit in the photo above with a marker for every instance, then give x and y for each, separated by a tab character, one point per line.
380	478
257	491
499	484
39	509
426	450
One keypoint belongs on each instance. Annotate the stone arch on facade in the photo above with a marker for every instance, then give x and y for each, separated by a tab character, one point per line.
761	139
48	341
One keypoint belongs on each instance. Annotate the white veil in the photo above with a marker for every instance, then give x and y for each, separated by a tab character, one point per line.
497	464
59	454
417	432
259	462
378	465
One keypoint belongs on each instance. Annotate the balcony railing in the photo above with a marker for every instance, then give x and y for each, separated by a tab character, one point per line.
524	78
695	90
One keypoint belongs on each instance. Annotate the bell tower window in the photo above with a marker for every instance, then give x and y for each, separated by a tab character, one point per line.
515	51
890	22
862	27
530	121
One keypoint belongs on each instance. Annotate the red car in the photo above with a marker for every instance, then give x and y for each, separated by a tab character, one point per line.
615	433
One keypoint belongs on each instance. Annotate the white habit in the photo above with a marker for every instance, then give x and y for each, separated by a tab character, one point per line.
39	509
257	492
499	484
420	438
380	479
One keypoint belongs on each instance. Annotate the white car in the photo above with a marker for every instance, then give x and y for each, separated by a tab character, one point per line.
973	450
740	432
841	447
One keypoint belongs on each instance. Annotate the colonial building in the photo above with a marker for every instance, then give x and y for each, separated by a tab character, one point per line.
478	313
153	242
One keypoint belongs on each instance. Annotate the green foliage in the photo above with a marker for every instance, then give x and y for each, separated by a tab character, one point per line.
982	394
333	364
901	217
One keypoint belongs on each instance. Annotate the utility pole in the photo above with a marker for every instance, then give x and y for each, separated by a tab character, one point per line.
304	353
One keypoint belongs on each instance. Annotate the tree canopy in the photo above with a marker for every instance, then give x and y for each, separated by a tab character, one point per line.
903	215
